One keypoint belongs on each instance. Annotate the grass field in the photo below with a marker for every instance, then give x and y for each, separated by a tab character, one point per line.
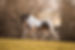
20	44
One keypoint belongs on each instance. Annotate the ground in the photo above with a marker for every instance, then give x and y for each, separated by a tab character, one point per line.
21	44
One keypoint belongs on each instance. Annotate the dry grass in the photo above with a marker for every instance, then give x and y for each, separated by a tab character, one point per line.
20	44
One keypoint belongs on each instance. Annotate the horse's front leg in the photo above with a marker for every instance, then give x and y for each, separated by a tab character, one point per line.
53	33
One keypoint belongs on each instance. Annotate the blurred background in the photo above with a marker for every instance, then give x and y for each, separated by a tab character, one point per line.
37	24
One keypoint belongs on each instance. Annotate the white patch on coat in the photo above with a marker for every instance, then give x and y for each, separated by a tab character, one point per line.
33	22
